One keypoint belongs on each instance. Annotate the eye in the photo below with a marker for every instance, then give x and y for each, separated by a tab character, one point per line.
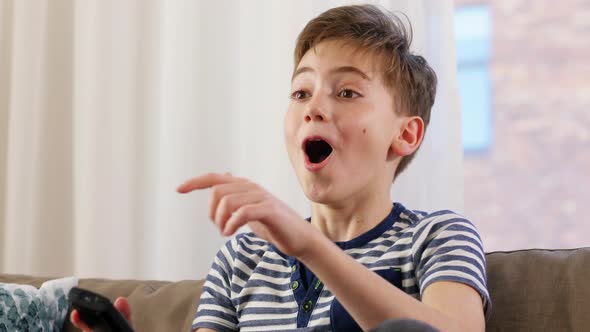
299	94
348	94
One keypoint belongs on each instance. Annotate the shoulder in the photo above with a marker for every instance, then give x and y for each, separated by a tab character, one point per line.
245	244
250	250
250	240
445	240
241	250
444	223
440	231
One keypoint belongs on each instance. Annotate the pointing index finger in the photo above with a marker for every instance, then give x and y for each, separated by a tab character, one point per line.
205	181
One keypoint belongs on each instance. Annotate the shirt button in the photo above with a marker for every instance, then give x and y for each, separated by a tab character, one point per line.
317	284
293	268
294	285
307	306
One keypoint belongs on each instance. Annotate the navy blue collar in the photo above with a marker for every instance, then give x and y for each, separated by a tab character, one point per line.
364	238
375	232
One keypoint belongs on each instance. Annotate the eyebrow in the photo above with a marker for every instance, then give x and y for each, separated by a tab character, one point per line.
339	70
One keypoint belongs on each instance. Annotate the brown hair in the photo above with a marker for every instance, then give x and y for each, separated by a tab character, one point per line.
410	78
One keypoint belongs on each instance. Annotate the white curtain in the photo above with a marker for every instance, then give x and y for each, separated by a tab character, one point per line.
106	106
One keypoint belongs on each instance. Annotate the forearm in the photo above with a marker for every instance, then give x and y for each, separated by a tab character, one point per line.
368	298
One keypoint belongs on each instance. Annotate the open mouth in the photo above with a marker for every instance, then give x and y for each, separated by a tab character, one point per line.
317	150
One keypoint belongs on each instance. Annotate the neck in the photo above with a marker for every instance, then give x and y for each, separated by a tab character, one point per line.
352	217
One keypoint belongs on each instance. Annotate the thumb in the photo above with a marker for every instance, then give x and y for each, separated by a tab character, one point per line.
77	321
124	308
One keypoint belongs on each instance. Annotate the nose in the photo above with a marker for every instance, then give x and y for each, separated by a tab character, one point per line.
316	110
314	115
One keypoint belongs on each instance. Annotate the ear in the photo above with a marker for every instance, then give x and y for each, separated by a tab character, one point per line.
408	138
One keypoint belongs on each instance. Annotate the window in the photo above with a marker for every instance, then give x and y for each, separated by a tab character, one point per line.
472	33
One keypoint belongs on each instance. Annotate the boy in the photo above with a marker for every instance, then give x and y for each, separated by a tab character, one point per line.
360	104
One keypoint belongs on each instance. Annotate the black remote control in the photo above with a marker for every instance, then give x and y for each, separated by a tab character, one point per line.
97	311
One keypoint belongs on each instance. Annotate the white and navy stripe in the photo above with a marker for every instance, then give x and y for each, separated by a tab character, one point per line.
252	286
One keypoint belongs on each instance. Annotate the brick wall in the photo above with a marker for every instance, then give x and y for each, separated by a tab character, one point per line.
531	188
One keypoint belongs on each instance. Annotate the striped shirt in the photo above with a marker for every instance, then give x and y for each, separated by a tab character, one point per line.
252	286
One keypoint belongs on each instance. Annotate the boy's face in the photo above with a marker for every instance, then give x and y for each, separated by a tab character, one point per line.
340	124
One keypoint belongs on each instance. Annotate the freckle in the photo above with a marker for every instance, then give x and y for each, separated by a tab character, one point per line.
364	131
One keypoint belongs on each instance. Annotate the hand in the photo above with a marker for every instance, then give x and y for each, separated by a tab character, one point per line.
235	202
121	304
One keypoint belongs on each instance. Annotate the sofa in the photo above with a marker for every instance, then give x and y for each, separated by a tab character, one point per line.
531	290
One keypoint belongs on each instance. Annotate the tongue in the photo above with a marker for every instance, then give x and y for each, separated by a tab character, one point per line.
318	151
321	158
